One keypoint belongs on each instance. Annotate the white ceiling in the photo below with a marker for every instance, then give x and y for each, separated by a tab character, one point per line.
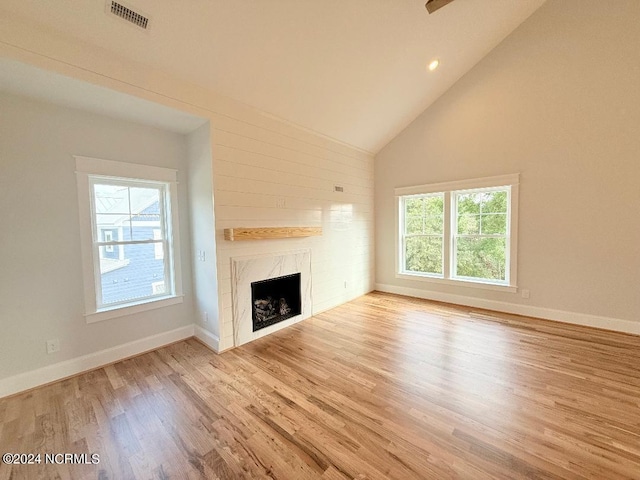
354	70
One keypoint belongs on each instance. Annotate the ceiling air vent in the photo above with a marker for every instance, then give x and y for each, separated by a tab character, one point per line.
127	14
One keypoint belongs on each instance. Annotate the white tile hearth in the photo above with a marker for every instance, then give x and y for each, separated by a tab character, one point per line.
245	270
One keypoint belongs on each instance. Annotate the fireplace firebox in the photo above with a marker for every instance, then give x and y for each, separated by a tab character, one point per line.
275	300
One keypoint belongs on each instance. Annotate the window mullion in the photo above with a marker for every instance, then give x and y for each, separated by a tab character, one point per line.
402	229
507	240
446	240
130	213
167	245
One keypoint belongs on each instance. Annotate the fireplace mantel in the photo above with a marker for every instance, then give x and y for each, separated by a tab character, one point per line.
264	233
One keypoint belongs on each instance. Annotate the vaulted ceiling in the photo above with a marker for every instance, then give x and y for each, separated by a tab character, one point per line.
354	70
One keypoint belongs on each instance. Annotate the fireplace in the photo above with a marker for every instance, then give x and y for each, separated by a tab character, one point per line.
275	300
250	282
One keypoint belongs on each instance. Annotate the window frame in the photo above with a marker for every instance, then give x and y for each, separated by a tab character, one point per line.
158	253
449	190
90	171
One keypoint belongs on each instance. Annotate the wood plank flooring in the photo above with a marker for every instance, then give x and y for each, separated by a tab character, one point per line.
384	387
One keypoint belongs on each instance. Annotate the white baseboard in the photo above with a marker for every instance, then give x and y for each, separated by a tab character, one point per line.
208	338
584	319
74	366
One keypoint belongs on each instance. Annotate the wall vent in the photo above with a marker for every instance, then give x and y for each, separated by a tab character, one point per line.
338	188
127	14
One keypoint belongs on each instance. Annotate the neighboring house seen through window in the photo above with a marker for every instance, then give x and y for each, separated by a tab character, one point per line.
129	230
459	232
107	236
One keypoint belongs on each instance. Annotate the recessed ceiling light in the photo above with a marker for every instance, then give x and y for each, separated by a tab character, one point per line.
434	64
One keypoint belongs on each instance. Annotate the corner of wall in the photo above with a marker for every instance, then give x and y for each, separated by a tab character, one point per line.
203	238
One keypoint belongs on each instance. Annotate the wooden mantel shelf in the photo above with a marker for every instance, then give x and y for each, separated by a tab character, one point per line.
264	233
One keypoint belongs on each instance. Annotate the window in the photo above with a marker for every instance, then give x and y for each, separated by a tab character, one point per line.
424	233
129	233
107	237
460	232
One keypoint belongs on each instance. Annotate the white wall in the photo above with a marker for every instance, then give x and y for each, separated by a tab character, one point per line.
558	101
41	291
259	164
203	233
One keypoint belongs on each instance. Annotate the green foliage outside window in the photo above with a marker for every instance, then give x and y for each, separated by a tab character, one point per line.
424	228
480	244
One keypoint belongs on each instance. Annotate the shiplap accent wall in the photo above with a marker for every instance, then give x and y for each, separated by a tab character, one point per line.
273	175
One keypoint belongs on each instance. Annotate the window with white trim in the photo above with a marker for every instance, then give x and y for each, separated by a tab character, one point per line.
129	232
423	233
464	231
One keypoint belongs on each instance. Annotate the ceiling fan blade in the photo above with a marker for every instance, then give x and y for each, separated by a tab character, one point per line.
433	5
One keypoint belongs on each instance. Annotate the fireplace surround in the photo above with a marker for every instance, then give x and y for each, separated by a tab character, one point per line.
280	283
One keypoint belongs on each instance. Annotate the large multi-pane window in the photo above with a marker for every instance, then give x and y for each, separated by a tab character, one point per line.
459	231
128	219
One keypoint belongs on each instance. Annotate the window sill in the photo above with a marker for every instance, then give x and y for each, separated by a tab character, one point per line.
458	283
131	309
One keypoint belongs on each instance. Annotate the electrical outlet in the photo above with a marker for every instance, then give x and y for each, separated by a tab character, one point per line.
205	317
525	293
345	284
281	203
53	346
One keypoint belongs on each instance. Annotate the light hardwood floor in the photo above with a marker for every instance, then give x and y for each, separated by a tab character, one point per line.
382	387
